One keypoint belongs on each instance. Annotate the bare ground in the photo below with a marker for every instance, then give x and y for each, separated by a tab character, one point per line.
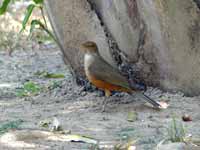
80	111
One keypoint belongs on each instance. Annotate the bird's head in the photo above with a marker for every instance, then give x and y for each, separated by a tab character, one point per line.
89	47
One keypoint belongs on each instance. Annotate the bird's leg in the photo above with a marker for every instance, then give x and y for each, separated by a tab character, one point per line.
104	103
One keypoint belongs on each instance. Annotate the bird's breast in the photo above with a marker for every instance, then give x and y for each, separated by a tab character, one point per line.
88	61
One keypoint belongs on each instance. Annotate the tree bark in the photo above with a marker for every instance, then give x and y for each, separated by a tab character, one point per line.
151	41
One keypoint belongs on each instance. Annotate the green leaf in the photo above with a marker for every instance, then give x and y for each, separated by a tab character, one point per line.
36	22
55	76
132	116
38	1
29	88
4	6
29	11
46	74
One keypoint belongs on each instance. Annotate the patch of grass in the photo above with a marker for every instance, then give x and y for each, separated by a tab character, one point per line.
132	116
10	125
28	89
176	131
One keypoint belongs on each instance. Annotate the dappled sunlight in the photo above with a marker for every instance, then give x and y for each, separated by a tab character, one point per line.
7	85
5	103
10	140
21	138
12	20
8	23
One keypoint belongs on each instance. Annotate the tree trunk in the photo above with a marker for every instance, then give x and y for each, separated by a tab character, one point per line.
151	41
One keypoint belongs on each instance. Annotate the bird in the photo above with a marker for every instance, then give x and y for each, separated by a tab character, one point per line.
106	77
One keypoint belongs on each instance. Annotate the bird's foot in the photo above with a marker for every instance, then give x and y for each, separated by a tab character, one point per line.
103	105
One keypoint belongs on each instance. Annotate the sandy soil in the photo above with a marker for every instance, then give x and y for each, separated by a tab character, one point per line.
80	111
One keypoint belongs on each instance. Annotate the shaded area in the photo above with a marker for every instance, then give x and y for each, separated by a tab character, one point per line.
197	2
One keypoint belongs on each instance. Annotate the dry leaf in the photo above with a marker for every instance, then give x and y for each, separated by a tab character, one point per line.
163	105
132	148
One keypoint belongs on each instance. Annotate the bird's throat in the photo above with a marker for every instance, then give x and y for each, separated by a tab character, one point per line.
88	60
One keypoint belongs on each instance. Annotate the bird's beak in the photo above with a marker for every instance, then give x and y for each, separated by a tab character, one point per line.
84	45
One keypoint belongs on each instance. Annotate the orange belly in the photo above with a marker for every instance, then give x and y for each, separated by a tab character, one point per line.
106	85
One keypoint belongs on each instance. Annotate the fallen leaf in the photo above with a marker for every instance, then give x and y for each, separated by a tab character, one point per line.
78	138
132	148
132	116
17	136
163	105
55	76
49	75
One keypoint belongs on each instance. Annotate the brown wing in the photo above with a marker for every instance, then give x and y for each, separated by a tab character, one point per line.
105	72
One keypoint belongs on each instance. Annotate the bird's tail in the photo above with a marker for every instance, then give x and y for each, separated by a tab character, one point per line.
148	99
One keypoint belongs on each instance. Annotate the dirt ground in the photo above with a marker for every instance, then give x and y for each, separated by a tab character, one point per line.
80	111
126	118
